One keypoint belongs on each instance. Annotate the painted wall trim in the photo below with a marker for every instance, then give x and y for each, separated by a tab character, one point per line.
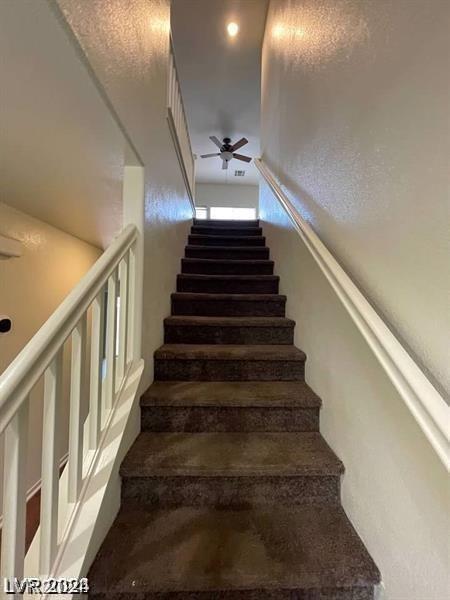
59	14
10	248
178	126
423	400
176	143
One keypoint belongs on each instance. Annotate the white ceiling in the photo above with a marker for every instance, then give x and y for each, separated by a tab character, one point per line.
220	79
62	153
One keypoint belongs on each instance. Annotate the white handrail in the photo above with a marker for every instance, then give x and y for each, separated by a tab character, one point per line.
21	375
423	400
115	274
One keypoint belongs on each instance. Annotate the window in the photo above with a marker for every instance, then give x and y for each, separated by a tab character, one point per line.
201	212
231	213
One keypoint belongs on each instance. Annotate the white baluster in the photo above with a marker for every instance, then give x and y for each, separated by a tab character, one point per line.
95	396
77	390
131	303
14	495
178	120
175	99
111	332
123	319
174	89
170	81
50	465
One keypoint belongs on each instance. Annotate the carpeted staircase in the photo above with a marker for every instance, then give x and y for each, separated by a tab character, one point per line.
230	491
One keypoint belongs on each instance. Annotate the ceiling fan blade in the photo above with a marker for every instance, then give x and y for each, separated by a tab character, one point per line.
224	164
209	155
242	157
239	144
215	141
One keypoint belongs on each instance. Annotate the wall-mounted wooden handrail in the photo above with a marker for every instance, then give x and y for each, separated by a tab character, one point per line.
424	401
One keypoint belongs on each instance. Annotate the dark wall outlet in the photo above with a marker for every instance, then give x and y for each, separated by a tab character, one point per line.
5	324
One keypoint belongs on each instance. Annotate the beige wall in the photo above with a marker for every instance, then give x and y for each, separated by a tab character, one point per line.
217	194
33	285
395	488
130	64
31	288
355	125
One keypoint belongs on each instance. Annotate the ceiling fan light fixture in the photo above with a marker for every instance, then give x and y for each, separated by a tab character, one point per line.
227	150
232	29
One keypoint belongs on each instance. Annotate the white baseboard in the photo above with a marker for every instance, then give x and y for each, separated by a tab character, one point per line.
380	592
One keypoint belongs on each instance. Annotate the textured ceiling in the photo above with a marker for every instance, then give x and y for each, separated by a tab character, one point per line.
220	79
62	154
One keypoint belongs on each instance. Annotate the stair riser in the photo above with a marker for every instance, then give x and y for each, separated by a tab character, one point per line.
255	253
352	593
212	240
228	370
198	419
230	492
197	230
225	286
225	308
240	268
195	334
225	223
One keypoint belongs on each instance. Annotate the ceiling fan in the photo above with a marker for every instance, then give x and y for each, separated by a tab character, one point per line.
227	150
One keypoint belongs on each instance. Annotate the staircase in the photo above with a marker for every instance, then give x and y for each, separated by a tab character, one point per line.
230	491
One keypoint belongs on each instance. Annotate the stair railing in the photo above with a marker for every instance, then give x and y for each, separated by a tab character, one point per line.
425	403
178	125
103	302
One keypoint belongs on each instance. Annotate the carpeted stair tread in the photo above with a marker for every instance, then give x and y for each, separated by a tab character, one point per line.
201	321
219	406
230	352
189	303
229	362
209	283
215	230
231	249
231	277
227	266
226	240
229	297
252	554
221	252
228	330
243	394
230	455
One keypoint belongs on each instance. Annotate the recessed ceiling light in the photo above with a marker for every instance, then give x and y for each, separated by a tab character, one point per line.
232	29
